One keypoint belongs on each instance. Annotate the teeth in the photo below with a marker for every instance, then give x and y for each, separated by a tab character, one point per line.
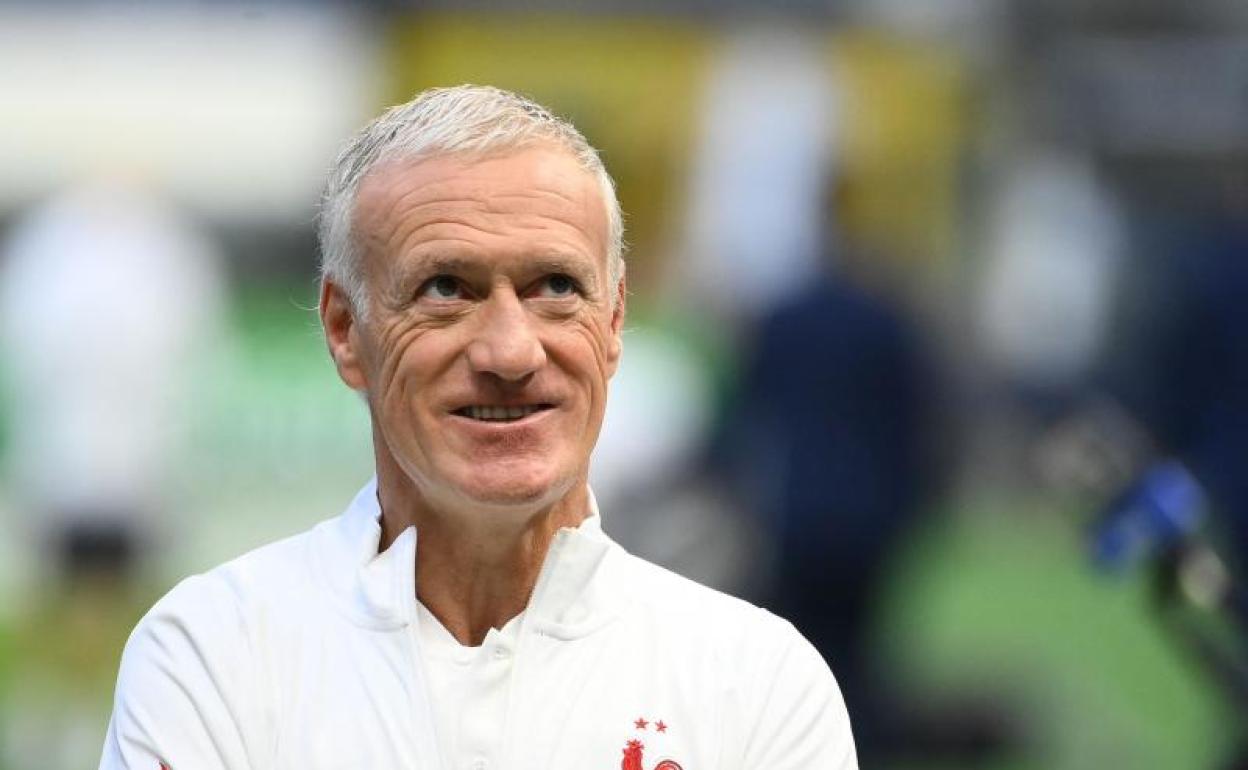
500	413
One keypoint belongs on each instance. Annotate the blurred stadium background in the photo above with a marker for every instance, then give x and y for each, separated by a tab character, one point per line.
886	258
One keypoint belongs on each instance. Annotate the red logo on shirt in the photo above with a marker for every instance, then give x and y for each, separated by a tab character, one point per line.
634	748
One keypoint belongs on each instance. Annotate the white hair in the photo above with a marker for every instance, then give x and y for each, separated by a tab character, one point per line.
462	120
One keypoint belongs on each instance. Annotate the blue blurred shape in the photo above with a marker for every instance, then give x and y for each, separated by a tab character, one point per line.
1151	517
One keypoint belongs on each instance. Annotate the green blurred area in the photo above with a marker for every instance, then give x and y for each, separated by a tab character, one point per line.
991	596
998	595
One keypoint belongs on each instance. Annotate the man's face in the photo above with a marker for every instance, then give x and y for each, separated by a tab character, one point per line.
491	332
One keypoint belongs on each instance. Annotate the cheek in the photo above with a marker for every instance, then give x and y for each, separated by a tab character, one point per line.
411	361
586	349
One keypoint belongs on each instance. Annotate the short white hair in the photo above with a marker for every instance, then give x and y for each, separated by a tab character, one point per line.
462	120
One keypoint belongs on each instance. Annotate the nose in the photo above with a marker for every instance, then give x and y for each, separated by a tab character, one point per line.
505	342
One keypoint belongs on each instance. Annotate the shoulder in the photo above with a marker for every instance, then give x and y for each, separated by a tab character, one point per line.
658	591
214	613
271	572
725	632
263	576
187	686
212	608
775	681
189	672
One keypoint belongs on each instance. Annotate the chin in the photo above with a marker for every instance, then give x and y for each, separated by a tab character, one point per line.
495	487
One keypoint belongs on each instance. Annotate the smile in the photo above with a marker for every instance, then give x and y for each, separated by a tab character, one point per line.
500	413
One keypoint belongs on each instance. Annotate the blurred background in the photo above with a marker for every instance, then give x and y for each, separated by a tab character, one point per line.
937	339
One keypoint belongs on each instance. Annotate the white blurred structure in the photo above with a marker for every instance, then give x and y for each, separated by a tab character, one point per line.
106	298
234	108
757	219
1054	253
657	419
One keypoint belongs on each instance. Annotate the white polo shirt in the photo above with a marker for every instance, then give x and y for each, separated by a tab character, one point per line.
465	687
308	654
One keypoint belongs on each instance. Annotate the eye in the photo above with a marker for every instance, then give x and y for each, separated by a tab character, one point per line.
441	287
558	286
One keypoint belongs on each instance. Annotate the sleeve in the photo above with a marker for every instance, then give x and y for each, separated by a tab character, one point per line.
801	721
183	686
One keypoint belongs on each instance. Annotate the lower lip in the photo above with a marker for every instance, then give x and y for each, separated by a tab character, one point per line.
502	426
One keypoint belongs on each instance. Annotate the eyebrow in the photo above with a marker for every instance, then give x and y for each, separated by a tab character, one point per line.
442	263
556	263
434	264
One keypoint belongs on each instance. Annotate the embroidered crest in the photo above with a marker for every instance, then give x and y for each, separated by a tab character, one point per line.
634	749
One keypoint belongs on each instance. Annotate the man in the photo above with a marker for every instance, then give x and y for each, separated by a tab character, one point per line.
467	611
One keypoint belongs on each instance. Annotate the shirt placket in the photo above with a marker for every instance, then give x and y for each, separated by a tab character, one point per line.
483	723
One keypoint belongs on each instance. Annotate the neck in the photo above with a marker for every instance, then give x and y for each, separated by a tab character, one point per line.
476	564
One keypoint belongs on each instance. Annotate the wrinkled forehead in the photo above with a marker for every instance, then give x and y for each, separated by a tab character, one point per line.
530	187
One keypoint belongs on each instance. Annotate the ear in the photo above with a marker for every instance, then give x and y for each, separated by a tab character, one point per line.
342	335
615	340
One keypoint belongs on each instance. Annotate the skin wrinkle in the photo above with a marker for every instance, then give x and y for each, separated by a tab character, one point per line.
474	271
413	264
448	229
482	202
486	498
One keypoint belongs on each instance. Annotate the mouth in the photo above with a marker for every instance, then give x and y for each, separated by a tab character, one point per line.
487	413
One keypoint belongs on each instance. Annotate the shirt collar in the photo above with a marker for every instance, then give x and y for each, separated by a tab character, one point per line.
379	590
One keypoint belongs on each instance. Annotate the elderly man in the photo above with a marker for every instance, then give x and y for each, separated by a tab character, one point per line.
467	610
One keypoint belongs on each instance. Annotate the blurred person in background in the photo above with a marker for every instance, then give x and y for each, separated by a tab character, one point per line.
107	295
821	442
1055	259
467	610
824	446
770	131
766	130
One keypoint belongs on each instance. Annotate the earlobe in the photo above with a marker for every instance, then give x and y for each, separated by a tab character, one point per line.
342	335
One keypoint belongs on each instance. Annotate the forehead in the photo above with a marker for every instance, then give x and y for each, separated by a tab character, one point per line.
536	198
